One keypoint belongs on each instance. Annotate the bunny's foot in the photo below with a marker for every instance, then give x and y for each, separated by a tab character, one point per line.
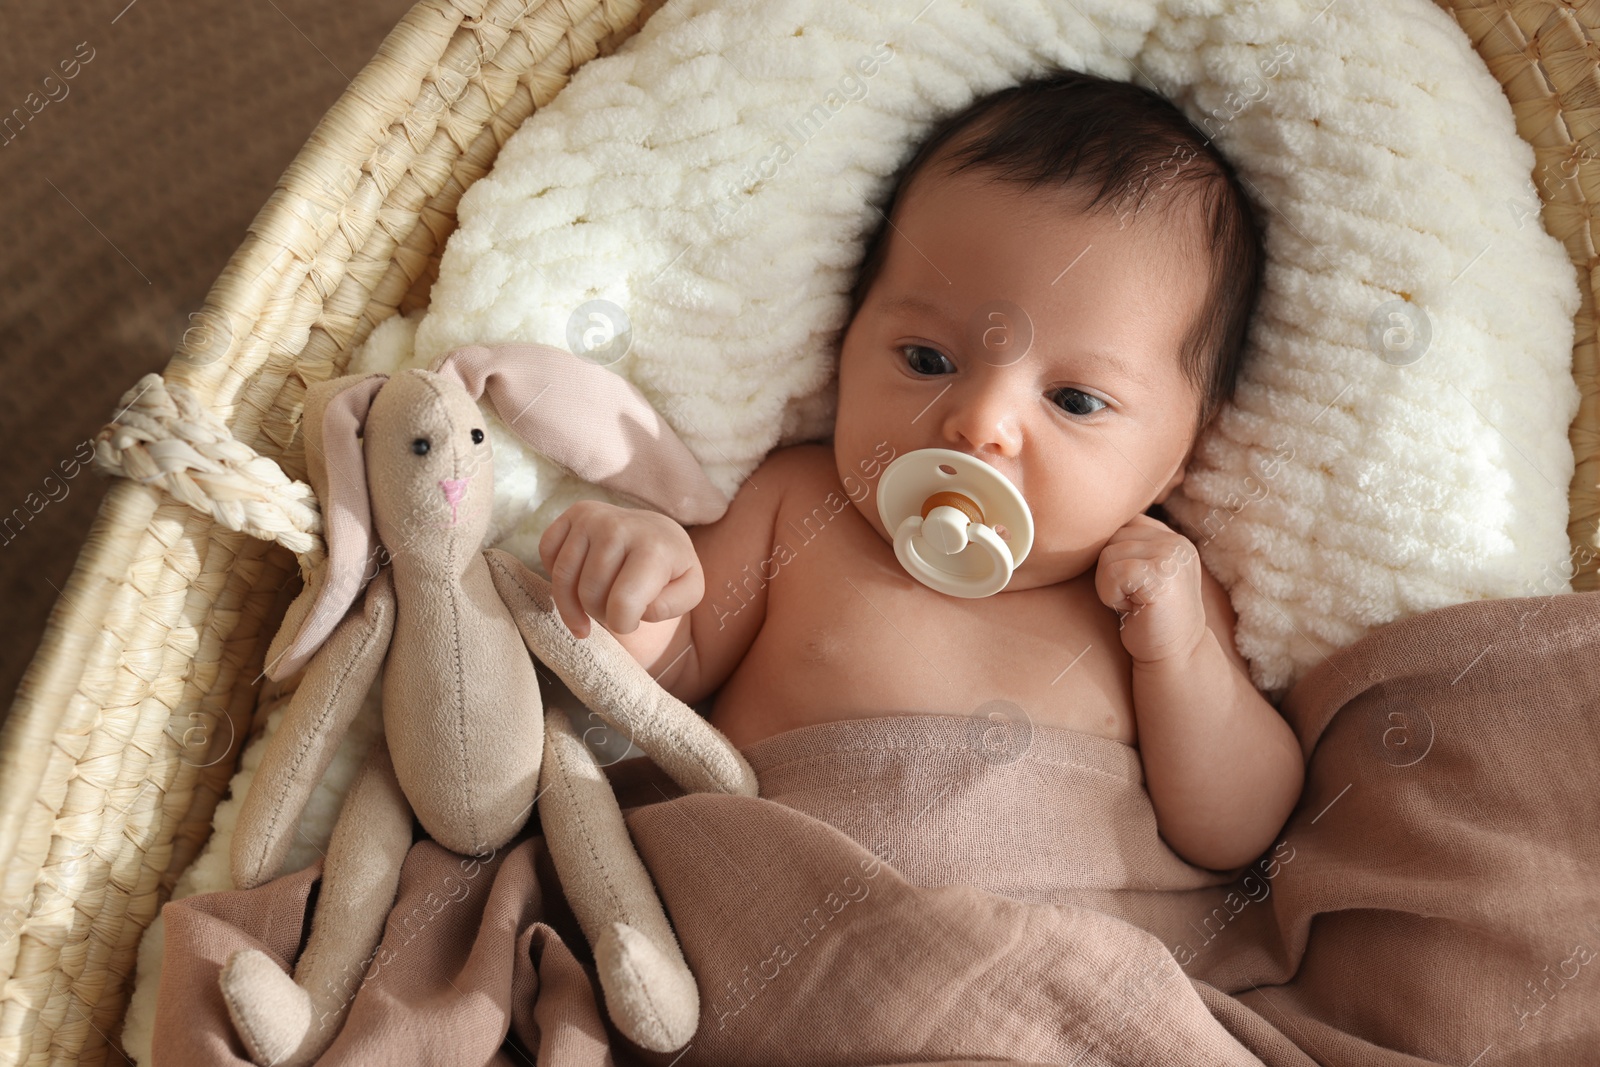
272	1014
650	995
287	1021
650	992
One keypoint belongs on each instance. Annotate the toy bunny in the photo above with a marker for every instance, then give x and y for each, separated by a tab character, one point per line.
466	739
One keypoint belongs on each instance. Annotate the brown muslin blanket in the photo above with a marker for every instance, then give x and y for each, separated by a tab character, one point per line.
904	891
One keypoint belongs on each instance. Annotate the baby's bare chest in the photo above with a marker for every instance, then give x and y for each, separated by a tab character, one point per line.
848	633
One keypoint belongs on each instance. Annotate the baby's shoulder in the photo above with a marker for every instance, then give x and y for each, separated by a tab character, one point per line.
784	475
804	465
809	455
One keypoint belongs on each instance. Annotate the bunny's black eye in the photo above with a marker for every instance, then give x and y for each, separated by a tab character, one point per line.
420	446
477	436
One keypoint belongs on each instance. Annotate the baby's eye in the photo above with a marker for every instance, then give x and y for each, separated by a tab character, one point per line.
1077	402
917	357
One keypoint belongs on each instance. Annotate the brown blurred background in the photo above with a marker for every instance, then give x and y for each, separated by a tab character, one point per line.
137	142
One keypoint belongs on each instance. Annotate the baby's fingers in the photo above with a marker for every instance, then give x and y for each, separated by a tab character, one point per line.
680	596
1130	583
550	542
641	578
1131	579
566	573
646	590
564	549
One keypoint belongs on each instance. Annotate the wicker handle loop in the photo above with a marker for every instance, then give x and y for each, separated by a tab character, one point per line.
163	435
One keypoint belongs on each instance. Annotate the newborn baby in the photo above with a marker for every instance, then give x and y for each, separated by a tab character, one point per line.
1061	290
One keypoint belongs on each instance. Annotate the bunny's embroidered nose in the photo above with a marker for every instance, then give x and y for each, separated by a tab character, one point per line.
454	490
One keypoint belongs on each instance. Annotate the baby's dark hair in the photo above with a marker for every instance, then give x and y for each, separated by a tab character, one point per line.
1122	142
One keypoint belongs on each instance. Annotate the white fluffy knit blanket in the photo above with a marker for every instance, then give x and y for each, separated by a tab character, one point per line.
1399	440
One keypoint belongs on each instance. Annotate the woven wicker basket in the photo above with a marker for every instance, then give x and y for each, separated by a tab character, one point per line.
131	718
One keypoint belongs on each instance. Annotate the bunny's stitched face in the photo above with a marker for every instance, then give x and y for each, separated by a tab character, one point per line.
430	470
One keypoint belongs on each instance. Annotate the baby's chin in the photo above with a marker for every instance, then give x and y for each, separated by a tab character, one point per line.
1025	578
867	508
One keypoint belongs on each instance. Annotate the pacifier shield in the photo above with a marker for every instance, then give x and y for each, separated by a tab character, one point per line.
943	487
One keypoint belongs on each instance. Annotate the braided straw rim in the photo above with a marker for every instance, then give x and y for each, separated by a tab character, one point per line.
131	718
164	436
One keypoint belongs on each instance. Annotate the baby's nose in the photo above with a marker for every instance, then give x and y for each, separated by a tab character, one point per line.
983	427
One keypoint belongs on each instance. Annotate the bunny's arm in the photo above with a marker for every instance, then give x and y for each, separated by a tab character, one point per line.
613	685
331	693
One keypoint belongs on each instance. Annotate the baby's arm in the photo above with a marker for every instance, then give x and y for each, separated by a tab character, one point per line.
1222	767
660	589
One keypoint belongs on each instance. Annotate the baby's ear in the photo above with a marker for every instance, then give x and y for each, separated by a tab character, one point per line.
1176	479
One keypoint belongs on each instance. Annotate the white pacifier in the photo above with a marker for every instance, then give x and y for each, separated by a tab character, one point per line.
959	525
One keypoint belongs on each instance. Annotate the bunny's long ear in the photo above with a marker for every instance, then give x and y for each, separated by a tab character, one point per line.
334	419
590	421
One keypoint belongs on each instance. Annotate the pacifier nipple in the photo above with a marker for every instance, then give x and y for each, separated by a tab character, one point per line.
959	525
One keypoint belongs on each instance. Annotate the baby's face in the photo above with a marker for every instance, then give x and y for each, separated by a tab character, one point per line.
1092	423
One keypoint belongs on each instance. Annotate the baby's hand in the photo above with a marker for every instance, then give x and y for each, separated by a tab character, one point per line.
1150	575
619	565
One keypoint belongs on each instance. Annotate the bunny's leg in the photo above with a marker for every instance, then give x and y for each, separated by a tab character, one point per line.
328	698
288	1022
650	992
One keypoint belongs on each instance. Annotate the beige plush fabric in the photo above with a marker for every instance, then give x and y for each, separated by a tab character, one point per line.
405	472
1433	898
